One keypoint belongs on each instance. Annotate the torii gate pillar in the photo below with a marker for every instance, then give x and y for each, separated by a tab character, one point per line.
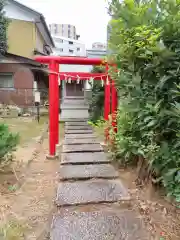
53	109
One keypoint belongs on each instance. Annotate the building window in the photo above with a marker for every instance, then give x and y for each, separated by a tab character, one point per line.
55	29
78	49
69	33
74	33
70	50
57	40
6	81
61	49
70	42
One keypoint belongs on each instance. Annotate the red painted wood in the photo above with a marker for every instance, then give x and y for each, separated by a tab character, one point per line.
71	60
82	75
52	110
114	104
57	95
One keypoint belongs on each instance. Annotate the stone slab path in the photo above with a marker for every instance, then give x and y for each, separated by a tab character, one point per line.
76	131
78	141
84	172
102	224
88	190
80	158
80	127
80	136
82	148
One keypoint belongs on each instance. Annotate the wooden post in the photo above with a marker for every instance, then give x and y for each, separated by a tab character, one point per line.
107	106
52	110
57	95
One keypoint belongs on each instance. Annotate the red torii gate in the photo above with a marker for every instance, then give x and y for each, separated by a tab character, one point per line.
110	100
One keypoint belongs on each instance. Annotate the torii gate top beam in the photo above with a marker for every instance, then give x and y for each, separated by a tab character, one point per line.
71	60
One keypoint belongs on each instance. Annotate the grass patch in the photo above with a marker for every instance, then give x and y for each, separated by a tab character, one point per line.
27	128
99	128
13	230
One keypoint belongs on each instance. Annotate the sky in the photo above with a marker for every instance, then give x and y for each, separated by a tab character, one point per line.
89	16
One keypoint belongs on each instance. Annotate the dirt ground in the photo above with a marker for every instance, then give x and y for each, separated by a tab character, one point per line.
28	209
26	196
161	217
25	212
30	133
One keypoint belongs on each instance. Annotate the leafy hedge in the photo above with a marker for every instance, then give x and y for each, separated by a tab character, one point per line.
145	39
97	101
8	142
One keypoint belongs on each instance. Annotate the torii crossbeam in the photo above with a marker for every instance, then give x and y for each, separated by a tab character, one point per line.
110	100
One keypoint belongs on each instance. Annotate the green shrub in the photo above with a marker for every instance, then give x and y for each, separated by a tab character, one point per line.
145	40
97	101
8	141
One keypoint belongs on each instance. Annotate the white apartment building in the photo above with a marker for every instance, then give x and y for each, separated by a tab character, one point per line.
64	30
68	47
98	50
99	46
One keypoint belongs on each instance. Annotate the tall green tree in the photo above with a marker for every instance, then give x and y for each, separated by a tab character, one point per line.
146	47
3	29
8	140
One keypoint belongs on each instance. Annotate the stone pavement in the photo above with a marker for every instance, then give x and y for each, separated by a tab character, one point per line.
90	196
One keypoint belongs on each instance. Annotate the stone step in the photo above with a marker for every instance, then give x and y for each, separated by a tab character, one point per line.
91	191
82	148
100	223
74	102
79	136
74	141
84	172
74	113
87	127
80	158
74	107
76	123
76	120
70	119
76	131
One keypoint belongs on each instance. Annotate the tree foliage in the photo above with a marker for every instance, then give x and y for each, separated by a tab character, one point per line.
8	142
145	39
97	101
3	28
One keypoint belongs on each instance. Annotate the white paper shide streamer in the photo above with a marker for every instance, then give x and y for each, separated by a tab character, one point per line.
107	80
88	85
65	76
78	80
102	82
88	81
91	80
